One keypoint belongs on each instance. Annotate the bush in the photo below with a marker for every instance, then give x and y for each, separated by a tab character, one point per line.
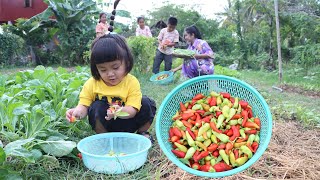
307	55
12	49
143	50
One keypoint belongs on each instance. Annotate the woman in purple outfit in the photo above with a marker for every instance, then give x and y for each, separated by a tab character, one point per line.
202	63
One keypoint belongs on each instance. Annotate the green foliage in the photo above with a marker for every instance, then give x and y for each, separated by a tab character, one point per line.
32	109
307	55
219	70
11	48
143	50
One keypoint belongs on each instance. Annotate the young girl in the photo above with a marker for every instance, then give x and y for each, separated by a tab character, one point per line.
102	27
142	29
202	63
112	85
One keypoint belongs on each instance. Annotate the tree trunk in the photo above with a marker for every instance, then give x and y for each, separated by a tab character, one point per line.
278	39
271	61
243	48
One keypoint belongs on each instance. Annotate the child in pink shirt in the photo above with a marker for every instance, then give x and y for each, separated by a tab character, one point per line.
142	29
102	27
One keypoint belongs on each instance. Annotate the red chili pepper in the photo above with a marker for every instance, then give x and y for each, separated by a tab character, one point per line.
207	168
182	107
255	146
212	147
206	119
198	97
193	101
232	100
209	100
214	127
171	132
225	95
213	101
189	106
250	114
244	114
257	121
176	132
187	124
202	154
191	133
198	121
216	153
251	125
192	122
236	153
252	131
201	112
186	116
243	104
229	147
178	153
242	140
195	154
218	113
236	133
236	116
222	146
79	155
251	149
193	117
229	133
195	166
221	166
175	138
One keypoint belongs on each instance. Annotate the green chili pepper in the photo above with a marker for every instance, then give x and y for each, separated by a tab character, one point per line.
228	126
257	138
243	135
181	147
212	161
251	139
232	159
213	93
224	156
236	103
232	112
214	138
214	109
207	142
219	158
204	128
220	121
189	139
202	146
200	138
179	123
241	161
240	120
208	158
239	109
233	122
201	101
246	150
190	153
197	107
224	138
209	132
225	111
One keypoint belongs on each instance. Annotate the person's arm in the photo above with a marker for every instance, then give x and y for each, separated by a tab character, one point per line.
202	56
207	51
177	68
149	32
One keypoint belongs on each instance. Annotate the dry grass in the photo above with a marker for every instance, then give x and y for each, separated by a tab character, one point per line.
293	153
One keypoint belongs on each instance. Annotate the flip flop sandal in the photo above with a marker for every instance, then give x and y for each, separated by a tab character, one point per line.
150	136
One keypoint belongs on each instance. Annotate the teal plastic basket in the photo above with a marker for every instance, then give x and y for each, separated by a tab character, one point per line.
205	84
167	80
94	150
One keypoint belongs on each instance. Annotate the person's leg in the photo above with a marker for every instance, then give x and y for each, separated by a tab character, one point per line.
167	62
96	113
157	62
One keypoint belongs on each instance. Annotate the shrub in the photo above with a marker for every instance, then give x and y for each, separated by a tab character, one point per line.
12	47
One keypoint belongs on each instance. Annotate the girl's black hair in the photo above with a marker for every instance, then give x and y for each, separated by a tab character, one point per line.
108	48
100	15
112	17
140	18
194	30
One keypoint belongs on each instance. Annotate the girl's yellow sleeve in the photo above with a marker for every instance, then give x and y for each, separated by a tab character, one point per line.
134	95
86	94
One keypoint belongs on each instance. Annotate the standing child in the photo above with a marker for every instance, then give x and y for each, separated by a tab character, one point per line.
102	26
168	37
142	29
202	63
112	85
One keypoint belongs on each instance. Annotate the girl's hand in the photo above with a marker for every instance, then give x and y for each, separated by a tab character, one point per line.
76	113
112	111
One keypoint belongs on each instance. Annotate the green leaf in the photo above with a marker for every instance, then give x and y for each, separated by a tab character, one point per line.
184	161
57	148
36	153
2	155
11	147
122	114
